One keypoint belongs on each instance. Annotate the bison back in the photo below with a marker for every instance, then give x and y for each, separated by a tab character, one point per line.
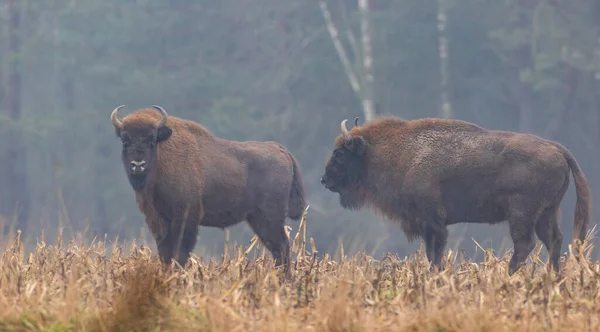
475	173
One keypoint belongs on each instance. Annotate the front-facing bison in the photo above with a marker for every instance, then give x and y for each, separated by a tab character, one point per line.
185	177
431	173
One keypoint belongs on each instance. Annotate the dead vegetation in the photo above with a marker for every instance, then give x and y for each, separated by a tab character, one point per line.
96	287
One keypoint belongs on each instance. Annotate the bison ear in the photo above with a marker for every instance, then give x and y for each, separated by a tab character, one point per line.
117	131
356	144
163	133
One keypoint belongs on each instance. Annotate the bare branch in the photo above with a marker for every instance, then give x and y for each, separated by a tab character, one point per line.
363	87
349	32
334	34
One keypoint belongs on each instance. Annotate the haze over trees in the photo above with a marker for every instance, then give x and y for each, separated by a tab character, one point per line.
281	70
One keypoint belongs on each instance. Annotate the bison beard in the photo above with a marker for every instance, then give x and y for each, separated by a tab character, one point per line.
351	199
137	181
431	173
185	177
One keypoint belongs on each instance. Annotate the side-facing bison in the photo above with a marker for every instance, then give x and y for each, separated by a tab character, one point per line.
183	177
430	173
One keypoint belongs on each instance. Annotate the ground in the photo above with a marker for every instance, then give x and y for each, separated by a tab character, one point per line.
78	287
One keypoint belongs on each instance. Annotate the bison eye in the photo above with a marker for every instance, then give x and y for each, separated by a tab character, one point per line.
340	156
338	153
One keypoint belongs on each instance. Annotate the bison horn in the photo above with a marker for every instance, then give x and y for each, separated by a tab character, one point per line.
163	114
114	117
356	121
344	129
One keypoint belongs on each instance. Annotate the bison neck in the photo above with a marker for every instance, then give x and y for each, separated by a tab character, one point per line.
384	195
390	202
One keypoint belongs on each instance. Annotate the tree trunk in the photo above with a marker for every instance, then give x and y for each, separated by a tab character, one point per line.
363	86
15	196
367	60
445	103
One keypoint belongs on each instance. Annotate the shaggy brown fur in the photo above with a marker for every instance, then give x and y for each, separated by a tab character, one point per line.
184	176
430	173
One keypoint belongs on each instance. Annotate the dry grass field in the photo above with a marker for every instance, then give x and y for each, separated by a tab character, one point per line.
98	287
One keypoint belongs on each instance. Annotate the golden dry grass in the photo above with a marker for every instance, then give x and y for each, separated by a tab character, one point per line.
81	287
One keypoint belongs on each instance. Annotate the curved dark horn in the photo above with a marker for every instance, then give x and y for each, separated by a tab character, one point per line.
163	114
114	117
356	121
344	129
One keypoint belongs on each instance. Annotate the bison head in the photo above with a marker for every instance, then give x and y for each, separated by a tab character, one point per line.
346	168
140	135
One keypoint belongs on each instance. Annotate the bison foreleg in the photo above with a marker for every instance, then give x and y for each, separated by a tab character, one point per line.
165	249
186	242
435	237
178	243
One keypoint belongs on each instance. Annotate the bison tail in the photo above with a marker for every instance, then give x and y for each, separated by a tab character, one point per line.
583	205
297	202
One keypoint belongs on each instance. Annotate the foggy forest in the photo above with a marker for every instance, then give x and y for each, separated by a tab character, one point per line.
282	70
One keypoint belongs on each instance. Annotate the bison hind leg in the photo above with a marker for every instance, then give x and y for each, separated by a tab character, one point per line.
271	232
435	237
522	217
549	233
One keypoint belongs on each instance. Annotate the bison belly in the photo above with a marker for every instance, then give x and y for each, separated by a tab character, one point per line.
473	204
221	219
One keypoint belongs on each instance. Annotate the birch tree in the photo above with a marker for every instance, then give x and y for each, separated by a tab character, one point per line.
445	103
360	76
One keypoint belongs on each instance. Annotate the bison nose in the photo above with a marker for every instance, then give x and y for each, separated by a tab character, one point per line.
323	181
138	165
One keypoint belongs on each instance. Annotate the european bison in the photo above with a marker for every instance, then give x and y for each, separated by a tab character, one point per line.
431	173
183	177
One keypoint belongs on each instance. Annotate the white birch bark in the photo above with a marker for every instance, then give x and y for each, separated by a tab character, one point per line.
339	48
363	86
445	103
367	57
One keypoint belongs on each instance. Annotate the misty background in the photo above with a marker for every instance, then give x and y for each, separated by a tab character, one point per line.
281	70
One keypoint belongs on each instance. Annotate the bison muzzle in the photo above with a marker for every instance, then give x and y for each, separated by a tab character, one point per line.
184	177
430	173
